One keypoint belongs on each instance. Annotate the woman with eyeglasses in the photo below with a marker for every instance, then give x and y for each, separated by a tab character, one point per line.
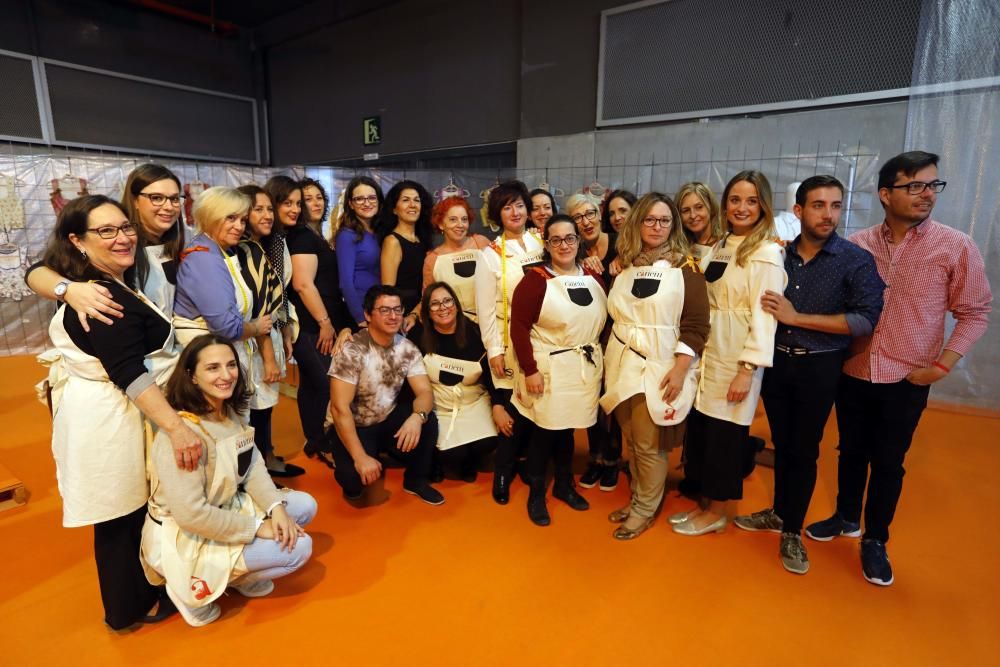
105	381
503	265
466	402
745	263
599	246
615	209
558	313
659	305
267	292
543	207
455	260
404	232
152	199
358	250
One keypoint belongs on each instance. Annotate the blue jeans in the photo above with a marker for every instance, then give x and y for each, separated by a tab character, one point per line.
265	559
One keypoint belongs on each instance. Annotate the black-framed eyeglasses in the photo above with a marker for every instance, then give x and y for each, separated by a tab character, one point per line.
365	199
918	187
386	311
568	240
156	199
108	232
662	223
444	304
590	215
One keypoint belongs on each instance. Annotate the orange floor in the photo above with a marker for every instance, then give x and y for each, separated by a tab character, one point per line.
472	583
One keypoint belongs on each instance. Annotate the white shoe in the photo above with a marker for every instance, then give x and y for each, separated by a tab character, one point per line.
257	590
196	616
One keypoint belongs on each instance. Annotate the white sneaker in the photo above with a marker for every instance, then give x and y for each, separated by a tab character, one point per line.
197	616
257	590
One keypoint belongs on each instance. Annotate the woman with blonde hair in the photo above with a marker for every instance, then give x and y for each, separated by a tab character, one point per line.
701	217
745	263
660	310
212	296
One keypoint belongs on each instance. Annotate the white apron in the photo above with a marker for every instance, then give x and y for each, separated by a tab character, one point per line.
645	304
198	569
461	403
458	269
567	350
98	434
246	350
729	297
513	261
157	288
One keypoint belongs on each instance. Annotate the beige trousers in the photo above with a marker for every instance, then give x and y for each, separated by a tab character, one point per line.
649	445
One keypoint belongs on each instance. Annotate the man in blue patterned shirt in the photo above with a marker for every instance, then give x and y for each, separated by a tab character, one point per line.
834	294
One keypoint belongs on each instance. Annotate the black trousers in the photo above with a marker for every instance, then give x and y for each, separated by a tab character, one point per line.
798	394
380	438
467	456
313	394
557	445
876	424
715	455
125	592
261	422
604	439
513	447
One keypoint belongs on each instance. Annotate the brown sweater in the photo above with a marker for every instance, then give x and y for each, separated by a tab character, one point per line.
182	494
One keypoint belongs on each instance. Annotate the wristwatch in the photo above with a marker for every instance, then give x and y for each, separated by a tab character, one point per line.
423	417
748	366
60	289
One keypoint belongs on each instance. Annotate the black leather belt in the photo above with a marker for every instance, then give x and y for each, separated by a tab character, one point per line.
800	351
628	347
588	353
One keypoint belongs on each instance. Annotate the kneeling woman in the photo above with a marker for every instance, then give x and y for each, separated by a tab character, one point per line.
558	312
469	408
659	305
225	524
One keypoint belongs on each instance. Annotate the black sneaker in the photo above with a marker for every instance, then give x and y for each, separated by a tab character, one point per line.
875	563
591	475
537	511
425	492
835	526
609	477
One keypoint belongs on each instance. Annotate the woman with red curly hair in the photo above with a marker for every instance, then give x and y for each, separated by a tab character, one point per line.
455	260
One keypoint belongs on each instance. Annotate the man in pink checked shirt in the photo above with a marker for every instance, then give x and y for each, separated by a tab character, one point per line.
929	270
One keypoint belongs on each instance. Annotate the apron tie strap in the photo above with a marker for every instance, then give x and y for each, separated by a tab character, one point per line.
586	353
455	409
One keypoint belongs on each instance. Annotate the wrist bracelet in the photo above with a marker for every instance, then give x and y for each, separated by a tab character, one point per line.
938	364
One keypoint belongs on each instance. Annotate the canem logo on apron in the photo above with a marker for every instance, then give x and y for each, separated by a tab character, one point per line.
579	292
448	378
464	265
646	284
720	260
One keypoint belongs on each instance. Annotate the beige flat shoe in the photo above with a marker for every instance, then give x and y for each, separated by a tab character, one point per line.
620	515
623	533
681	517
689	529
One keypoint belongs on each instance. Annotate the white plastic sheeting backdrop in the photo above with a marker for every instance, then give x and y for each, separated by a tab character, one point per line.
958	42
25	179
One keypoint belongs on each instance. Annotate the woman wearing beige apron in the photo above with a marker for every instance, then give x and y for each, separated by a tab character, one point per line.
467	404
212	295
659	306
225	524
702	220
558	312
103	383
501	268
455	260
743	265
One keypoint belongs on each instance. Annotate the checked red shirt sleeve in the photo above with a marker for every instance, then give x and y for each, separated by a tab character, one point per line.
935	270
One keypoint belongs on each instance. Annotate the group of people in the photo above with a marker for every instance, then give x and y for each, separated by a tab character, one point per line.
653	323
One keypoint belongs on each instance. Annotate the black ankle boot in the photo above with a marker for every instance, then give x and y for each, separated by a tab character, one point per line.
537	511
567	494
501	486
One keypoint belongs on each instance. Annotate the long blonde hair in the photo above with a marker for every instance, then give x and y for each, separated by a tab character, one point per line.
764	229
707	197
629	243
